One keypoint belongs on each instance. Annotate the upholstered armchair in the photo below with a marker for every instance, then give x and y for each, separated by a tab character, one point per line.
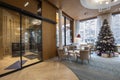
83	55
92	48
62	54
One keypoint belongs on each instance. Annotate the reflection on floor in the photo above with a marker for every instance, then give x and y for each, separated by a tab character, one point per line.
9	63
48	70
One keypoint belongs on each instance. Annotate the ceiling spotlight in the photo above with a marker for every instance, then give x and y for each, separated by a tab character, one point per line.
106	2
96	1
115	0
26	4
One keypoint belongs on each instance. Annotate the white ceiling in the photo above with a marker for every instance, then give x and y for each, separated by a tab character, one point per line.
96	4
74	9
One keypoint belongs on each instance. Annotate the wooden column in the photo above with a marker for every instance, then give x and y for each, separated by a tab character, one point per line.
48	31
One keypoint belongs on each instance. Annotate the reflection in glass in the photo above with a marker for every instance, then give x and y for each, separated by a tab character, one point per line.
9	41
31	39
57	30
13	53
57	34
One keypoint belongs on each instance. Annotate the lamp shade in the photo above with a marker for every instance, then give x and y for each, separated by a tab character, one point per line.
78	36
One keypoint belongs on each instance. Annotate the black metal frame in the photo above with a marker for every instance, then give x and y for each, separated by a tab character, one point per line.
65	18
23	12
65	30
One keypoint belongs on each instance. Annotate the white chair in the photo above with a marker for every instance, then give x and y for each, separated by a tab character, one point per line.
71	51
92	48
83	54
62	55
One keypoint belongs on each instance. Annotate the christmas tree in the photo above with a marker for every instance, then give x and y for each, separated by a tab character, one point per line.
105	43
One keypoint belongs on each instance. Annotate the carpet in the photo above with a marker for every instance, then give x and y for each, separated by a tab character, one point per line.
16	65
31	56
99	68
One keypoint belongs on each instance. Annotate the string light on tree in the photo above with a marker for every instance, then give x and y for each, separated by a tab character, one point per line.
105	43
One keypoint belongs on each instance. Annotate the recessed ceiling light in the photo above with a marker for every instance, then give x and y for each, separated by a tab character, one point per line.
115	0
106	2
26	4
96	1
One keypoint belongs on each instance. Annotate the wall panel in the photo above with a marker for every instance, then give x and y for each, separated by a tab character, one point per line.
49	31
48	11
1	33
32	7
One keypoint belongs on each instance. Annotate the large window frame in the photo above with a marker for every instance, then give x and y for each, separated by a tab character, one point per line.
88	27
115	27
67	30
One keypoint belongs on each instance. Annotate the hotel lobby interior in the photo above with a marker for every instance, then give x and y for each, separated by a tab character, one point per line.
59	39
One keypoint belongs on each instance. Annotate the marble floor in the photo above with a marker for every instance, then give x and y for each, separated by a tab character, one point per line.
9	60
47	70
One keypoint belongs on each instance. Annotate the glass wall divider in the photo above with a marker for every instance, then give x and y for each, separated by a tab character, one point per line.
20	41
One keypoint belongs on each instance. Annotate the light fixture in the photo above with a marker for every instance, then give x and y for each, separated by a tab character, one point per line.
106	3
36	22
101	5
26	4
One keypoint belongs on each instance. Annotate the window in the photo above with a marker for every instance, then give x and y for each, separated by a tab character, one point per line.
88	31
63	31
66	31
116	27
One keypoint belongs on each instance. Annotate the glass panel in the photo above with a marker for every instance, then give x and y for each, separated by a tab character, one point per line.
116	28
57	30
88	31
31	40
63	31
68	36
9	40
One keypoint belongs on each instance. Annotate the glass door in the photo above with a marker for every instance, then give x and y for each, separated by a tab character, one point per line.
19	46
9	41
31	40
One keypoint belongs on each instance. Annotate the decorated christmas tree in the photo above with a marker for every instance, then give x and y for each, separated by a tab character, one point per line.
105	43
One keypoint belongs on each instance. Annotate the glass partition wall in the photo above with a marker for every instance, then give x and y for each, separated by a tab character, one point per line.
31	39
9	35
20	40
